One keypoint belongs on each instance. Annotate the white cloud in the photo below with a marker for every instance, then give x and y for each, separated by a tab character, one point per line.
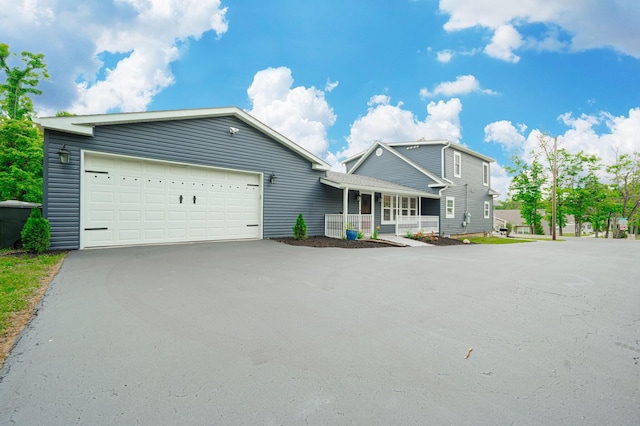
389	123
621	135
506	134
603	135
299	113
462	85
144	36
588	24
445	56
500	180
505	40
331	85
379	100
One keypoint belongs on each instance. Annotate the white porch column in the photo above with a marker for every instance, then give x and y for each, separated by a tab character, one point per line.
397	210
373	212
345	206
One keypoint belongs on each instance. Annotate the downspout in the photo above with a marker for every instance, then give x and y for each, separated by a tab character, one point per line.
444	178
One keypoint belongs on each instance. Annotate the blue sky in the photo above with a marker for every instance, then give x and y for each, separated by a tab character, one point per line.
335	76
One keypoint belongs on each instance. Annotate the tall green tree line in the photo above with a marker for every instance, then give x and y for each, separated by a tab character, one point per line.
21	142
587	189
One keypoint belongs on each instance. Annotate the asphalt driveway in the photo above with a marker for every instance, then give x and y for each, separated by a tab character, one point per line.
265	333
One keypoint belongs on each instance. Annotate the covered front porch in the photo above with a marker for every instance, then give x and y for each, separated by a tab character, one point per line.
335	224
370	204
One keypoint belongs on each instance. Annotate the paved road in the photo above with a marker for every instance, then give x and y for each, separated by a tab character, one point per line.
265	333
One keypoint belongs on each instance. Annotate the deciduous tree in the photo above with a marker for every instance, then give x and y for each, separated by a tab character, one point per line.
20	141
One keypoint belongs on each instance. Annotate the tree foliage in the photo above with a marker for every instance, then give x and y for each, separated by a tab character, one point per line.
625	183
20	82
36	233
20	161
21	152
526	188
300	228
580	190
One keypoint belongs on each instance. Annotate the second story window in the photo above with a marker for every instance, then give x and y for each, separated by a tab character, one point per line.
457	164
485	174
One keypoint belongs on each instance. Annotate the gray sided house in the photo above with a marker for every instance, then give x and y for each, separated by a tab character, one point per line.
220	174
175	176
451	186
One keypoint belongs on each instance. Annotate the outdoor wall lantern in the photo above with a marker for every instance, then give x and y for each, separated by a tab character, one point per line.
64	155
273	178
378	198
358	196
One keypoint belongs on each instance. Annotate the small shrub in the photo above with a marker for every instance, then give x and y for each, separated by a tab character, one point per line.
360	235
36	233
300	229
375	233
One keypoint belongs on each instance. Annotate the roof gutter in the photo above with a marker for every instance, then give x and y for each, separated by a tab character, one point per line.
442	174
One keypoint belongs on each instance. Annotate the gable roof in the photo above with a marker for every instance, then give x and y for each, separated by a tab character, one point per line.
454	145
84	125
439	182
367	183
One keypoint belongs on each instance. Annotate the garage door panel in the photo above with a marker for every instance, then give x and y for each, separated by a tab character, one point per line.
129	236
130	201
154	235
129	216
154	216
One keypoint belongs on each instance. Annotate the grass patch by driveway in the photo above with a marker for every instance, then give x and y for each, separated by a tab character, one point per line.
23	280
496	240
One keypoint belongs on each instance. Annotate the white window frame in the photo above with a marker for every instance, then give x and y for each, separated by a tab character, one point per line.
396	207
485	174
392	208
411	204
487	209
457	164
450	213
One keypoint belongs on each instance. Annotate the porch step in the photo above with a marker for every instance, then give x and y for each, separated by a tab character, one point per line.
402	240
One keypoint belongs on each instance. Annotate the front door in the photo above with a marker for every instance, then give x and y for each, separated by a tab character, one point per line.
365	204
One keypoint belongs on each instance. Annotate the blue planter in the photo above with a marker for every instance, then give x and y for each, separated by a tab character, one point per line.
351	234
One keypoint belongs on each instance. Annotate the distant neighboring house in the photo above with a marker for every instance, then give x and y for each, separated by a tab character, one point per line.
219	174
502	217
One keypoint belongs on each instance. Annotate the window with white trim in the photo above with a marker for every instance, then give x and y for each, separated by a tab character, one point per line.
485	174
393	206
450	207
457	164
388	209
487	209
408	206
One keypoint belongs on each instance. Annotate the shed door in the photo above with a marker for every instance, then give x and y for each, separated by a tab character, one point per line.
129	201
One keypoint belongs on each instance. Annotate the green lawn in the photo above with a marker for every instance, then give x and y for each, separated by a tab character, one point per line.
496	240
20	277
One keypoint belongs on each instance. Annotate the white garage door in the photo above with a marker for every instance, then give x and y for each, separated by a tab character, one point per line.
132	201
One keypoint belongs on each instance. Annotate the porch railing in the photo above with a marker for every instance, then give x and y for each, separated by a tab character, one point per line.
334	225
414	224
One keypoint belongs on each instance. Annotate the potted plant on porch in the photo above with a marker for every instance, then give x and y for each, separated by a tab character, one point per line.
351	231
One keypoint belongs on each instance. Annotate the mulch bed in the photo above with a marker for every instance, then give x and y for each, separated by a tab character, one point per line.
321	241
441	241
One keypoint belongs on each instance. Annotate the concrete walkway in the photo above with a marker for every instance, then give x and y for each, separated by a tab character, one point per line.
402	240
263	333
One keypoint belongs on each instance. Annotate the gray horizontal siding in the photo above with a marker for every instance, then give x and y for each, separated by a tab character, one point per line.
204	142
427	156
392	168
350	164
470	195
